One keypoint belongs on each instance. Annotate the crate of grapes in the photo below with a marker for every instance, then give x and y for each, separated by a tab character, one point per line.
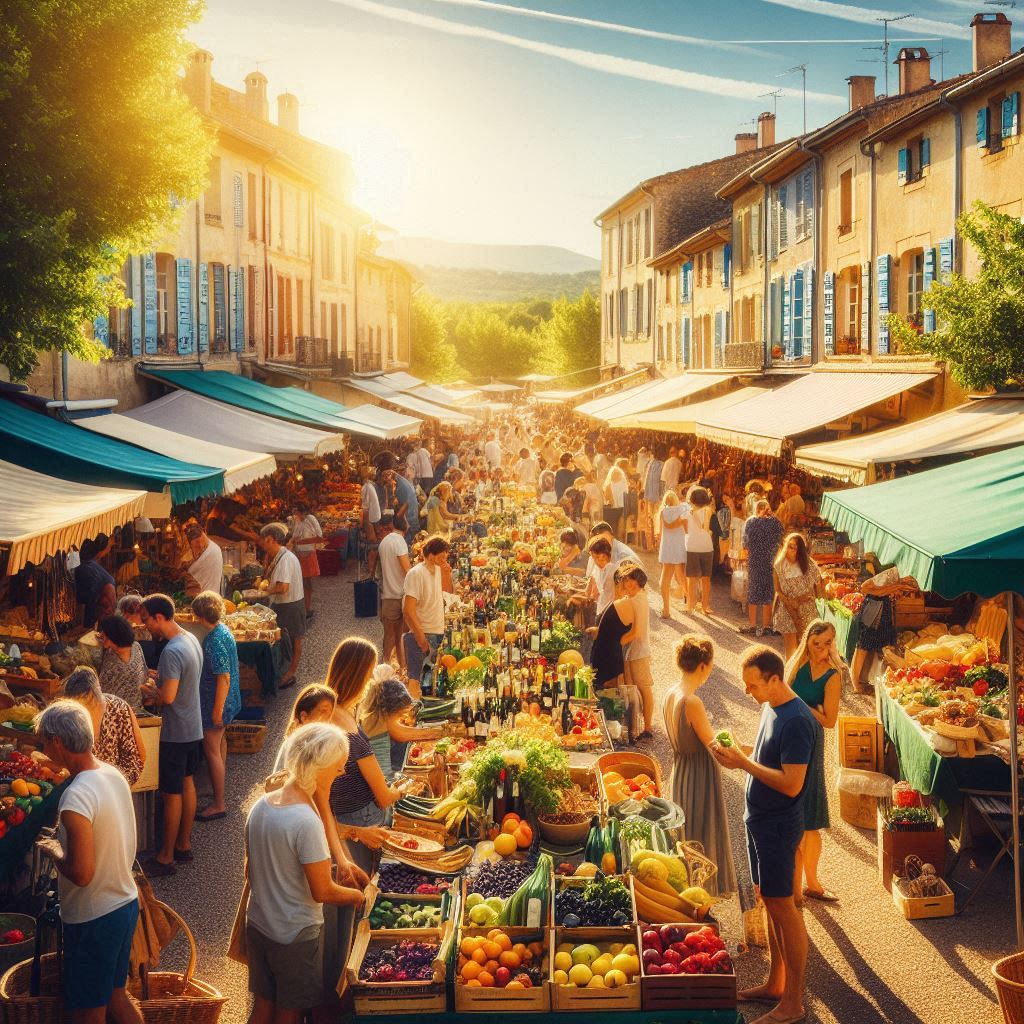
394	879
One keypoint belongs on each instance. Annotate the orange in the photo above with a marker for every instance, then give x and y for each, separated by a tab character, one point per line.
471	970
462	961
492	949
537	948
515	985
526	955
509	826
473	983
524	836
448	661
491	966
478	955
486	979
510	960
505	843
520	949
503	940
469	943
493	934
511	816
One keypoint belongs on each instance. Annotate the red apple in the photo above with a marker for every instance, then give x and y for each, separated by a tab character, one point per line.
668	933
502	976
651	956
670	956
651	940
671	969
681	948
653	969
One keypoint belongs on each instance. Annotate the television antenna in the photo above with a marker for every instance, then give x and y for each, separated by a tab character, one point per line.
802	68
886	22
1000	3
774	97
941	54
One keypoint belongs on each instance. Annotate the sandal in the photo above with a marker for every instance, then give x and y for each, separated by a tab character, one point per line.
825	896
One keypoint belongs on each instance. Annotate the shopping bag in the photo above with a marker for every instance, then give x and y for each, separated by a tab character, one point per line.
365	598
237	948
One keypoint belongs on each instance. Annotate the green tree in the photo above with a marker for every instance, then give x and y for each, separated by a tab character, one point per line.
573	334
433	356
97	138
980	331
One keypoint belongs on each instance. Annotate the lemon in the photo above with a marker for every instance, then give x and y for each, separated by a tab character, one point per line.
563	961
561	978
580	975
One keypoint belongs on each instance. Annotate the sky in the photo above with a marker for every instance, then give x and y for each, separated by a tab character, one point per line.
518	122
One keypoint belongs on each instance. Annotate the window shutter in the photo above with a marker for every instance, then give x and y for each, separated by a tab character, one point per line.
926	153
220	323
783	219
945	259
757	335
239	307
630	310
756	247
773	229
828	296
236	196
884	269
135	294
687	340
929	277
787	316
981	135
798	305
649	308
808	202
149	301
204	307
1011	115
809	307
902	164
101	330
719	337
726	265
185	340
865	305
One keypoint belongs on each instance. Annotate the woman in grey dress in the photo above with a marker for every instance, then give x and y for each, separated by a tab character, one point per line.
696	780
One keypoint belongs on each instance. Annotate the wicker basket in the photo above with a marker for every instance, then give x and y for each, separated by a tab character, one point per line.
1009	975
246	737
18	1007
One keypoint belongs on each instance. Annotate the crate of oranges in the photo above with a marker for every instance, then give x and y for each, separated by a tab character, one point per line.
501	969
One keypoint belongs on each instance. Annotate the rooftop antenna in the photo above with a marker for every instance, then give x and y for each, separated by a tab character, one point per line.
1000	3
774	97
802	68
886	22
941	54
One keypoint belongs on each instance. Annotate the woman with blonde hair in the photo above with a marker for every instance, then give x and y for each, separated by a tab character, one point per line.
616	484
815	674
387	716
668	523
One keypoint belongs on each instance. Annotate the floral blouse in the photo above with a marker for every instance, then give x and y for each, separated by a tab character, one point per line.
124	678
116	742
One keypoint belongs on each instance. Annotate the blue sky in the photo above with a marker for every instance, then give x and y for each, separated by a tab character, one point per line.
519	121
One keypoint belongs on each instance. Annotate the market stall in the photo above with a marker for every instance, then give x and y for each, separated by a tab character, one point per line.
651	395
681	419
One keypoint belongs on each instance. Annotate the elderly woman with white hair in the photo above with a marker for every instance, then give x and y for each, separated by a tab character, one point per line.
288	865
286	593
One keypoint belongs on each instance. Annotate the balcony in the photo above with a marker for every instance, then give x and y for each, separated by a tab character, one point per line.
743	355
368	360
312	352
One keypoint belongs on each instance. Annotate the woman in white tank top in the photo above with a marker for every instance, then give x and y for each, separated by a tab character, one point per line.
700	546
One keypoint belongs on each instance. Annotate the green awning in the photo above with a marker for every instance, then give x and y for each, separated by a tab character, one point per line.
955	529
35	441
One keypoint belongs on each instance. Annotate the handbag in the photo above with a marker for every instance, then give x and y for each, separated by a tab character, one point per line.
364	595
871	612
237	946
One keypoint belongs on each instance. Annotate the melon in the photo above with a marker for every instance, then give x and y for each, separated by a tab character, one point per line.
470	661
571	658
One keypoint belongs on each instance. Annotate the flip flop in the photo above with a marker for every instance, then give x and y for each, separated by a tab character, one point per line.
769	1017
212	817
824	896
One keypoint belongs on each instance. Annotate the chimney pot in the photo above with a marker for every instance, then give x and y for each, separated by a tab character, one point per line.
256	95
765	130
199	79
862	90
915	69
288	112
991	39
746	141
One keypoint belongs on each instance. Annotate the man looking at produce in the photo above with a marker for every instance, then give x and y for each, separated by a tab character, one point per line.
393	553
775	822
93	855
207	565
423	606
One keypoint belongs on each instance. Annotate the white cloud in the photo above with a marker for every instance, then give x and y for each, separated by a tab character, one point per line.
594	61
869	16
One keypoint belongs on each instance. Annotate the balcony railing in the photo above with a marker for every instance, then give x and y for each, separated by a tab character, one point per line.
744	355
368	359
312	351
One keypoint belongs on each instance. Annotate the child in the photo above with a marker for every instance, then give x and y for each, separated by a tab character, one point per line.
315	703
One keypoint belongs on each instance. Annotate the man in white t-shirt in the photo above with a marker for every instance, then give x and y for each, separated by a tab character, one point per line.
423	605
207	565
492	451
370	504
527	470
286	593
424	468
671	471
393	553
93	853
600	574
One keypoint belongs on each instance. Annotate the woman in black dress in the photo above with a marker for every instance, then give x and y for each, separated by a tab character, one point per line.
877	623
615	628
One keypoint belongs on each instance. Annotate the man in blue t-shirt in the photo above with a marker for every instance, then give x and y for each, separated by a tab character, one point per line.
775	823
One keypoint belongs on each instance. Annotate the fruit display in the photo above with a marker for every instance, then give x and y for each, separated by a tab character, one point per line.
676	949
598	902
587	731
14	935
662	889
500	960
515	834
400	878
483	912
528	905
386	914
575	807
501	878
399	961
595	964
455	751
440	861
618	788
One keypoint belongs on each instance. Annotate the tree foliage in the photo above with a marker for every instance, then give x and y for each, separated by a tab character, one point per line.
980	322
433	356
97	139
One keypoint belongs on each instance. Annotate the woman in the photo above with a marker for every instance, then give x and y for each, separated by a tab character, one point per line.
118	738
547	488
671	548
129	608
877	624
762	535
439	519
573	560
220	695
94	586
285	592
754	492
700	548
814	673
123	668
637	663
616	483
593	499
614	629
288	867
797	583
696	779
383	716
315	703
307	536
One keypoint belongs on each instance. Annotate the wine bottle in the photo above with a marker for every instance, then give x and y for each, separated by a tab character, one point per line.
427	679
566	717
500	799
480	726
546	701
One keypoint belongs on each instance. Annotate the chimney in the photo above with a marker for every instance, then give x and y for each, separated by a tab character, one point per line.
991	33
862	90
915	69
256	95
746	141
288	112
199	79
766	130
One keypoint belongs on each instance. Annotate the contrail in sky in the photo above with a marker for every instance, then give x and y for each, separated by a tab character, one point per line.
869	16
605	62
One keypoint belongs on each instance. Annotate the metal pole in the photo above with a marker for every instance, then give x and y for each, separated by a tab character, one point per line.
1011	656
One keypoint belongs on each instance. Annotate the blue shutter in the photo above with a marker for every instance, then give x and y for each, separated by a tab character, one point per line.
945	259
902	164
787	317
135	294
809	202
884	268
240	309
149	301
719	359
1011	115
185	341
809	308
204	307
865	306
926	152
726	265
798	304
828	296
981	135
101	330
220	308
929	277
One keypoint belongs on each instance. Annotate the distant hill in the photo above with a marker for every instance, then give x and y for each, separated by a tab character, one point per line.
513	259
464	285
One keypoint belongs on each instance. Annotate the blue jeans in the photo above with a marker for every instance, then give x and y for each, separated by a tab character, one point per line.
414	657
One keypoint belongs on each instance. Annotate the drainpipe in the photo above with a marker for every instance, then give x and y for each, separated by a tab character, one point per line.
815	329
958	197
64	373
869	152
766	285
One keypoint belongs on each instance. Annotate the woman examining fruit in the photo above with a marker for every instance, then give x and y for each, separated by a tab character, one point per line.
696	779
383	716
815	675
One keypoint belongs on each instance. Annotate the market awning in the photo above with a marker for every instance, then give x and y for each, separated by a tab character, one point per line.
410	403
682	419
651	395
978	426
439	395
400	381
763	424
499	389
46	445
240	467
41	515
198	417
572	395
956	529
373	421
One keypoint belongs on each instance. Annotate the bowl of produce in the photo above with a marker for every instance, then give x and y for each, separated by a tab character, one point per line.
570	824
17	939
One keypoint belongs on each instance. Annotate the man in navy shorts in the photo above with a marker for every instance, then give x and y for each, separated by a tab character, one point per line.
775	824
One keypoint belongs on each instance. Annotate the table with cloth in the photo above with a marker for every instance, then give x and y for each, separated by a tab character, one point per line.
17	841
846	624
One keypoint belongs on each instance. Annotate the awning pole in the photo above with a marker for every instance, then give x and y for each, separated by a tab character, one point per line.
1011	655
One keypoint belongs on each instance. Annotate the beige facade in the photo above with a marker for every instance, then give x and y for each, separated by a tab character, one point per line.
383	314
745	347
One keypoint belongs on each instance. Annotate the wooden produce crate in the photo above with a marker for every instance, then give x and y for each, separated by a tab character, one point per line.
909	612
536	999
858	809
374	998
454	880
687	991
464	909
18	684
861	742
894	847
570	999
915	908
251	687
372	895
150	725
623	933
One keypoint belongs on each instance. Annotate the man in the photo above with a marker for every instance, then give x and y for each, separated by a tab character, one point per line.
671	471
181	734
526	470
600	574
423	605
93	853
775	823
424	467
370	505
207	565
492	451
285	592
393	553
566	475
793	506
619	552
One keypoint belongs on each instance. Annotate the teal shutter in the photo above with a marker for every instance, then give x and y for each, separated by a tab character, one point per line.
1011	115
884	269
204	307
865	306
828	284
240	309
926	153
220	311
809	308
149	301
945	259
929	277
135	294
787	317
981	134
719	338
903	160
101	330
185	340
798	304
726	265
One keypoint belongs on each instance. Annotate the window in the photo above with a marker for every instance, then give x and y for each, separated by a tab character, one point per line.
647	234
804	188
254	208
218	293
913	159
846	202
166	301
327	251
212	195
629	242
848	311
913	269
649	307
623	311
994	123
344	258
636	236
334	327
299	320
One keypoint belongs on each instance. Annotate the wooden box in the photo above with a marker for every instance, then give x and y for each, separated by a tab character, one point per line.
373	894
467	923
858	809
917	909
536	999
150	727
861	742
909	612
251	687
687	991
624	933
570	999
894	847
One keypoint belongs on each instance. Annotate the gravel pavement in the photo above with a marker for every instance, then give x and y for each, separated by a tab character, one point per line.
866	962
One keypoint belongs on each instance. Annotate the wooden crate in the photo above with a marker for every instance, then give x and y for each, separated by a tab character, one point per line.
687	991
251	687
372	894
625	933
909	612
915	908
894	847
536	999
464	915
858	809
569	999
861	742
150	726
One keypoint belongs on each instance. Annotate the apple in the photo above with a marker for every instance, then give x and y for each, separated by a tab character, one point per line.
502	976
681	948
651	956
671	969
670	956
651	940
653	969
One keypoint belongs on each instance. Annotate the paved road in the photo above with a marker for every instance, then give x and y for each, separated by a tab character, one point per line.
866	963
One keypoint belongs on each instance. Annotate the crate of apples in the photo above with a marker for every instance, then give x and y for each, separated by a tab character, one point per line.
686	966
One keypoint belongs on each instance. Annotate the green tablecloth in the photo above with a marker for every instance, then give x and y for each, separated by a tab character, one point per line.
268	660
847	627
17	841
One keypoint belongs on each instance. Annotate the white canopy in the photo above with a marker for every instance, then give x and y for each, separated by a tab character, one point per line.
41	515
409	403
499	388
188	413
399	381
240	467
977	426
650	395
683	419
606	386
373	421
455	397
764	423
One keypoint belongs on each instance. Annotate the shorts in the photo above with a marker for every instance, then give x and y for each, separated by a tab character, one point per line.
698	564
289	975
390	609
291	616
638	673
177	762
771	851
96	957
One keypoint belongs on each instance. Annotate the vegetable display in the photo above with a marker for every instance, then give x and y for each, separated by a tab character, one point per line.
402	961
386	914
529	903
399	878
601	902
